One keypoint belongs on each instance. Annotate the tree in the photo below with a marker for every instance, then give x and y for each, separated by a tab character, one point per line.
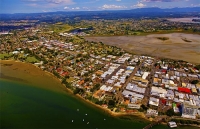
111	103
195	81
144	107
87	79
78	91
170	112
64	80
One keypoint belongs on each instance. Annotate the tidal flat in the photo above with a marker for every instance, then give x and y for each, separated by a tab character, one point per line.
179	46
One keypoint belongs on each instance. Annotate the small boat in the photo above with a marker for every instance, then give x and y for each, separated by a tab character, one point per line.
77	109
86	114
88	122
72	120
83	119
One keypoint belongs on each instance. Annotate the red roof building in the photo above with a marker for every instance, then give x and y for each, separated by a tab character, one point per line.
185	90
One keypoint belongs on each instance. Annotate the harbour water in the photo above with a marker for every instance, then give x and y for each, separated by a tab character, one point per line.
24	106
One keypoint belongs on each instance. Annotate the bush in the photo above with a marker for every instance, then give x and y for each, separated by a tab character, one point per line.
170	112
111	103
78	91
195	81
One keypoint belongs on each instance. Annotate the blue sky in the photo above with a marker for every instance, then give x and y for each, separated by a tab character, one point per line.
32	6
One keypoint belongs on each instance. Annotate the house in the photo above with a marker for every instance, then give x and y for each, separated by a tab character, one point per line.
134	106
172	124
152	112
144	76
158	91
153	101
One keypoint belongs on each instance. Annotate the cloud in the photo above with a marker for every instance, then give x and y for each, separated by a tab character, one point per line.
105	6
118	0
76	8
138	5
66	8
195	5
60	1
159	0
85	8
48	3
33	5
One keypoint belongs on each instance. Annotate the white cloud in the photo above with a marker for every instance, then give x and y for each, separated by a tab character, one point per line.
195	5
85	8
76	8
105	6
66	8
45	11
118	0
160	0
138	5
60	1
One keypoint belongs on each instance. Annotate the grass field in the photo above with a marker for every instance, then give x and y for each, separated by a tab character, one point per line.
61	28
4	54
31	59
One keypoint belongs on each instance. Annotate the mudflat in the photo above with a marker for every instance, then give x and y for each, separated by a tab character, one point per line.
178	46
185	20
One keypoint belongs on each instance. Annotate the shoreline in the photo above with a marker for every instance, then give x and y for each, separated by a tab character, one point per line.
105	110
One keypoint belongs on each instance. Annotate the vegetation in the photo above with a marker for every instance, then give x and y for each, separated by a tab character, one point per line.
31	59
79	91
197	67
111	103
163	38
186	40
195	81
5	55
171	112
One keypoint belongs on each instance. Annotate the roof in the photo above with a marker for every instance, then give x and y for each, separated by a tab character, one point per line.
185	90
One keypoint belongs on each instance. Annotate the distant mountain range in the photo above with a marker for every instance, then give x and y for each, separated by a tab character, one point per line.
61	16
188	9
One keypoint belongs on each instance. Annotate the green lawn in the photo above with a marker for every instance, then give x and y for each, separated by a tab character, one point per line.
31	59
61	27
4	54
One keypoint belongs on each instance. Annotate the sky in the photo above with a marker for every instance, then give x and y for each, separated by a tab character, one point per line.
34	6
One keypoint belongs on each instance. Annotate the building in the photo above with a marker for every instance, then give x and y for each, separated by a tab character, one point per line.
189	111
172	124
